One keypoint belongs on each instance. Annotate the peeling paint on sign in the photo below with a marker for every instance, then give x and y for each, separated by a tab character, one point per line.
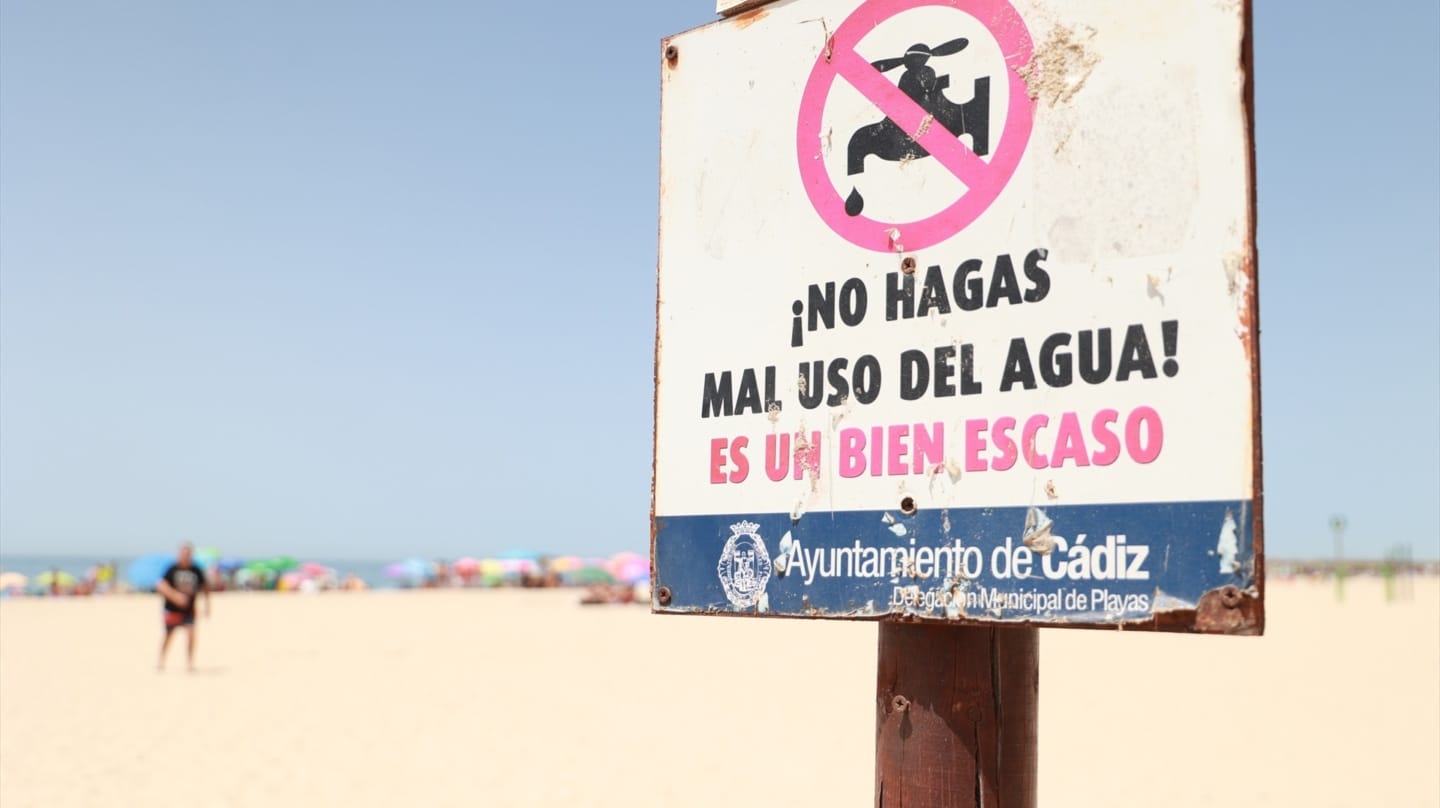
1060	66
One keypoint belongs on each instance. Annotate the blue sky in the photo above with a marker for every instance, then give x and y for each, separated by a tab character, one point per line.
371	280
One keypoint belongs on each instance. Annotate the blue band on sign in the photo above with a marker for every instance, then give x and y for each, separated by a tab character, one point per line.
1048	564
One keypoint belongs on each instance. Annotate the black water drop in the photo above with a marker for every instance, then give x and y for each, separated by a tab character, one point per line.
854	203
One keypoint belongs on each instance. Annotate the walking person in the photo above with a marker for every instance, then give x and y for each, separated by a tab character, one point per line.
181	585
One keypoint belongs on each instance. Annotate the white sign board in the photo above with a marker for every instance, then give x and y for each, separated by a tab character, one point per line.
956	314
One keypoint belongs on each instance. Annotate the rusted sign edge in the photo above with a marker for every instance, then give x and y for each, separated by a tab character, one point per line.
670	60
1256	610
667	62
730	10
741	17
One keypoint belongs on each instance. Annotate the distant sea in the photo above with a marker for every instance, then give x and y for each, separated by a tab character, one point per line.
371	572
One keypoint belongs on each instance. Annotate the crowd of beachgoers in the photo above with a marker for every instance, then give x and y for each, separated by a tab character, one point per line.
616	578
620	578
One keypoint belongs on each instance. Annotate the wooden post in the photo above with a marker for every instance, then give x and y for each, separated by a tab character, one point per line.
955	716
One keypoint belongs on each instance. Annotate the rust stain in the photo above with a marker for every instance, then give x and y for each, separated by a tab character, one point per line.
1224	610
749	18
1240	283
1251	321
655	520
1227	610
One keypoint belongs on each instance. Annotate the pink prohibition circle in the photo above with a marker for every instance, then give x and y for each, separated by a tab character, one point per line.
1004	23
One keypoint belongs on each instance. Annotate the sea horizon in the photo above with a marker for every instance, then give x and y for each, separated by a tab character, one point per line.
369	570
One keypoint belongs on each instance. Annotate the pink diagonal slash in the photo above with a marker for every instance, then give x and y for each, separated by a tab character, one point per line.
942	144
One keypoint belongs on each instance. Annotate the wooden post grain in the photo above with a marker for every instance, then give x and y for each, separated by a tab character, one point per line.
955	716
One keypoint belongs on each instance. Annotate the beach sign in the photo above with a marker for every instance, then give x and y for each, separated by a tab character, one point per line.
957	316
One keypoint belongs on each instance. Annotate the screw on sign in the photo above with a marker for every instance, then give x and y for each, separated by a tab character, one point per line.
920	120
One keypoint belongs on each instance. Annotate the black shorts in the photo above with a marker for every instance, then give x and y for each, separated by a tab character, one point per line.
174	620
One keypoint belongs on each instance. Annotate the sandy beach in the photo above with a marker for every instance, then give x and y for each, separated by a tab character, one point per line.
523	697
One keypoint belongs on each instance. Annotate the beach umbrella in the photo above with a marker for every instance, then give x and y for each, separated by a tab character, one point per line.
518	566
311	569
146	570
54	577
311	575
586	576
632	568
230	563
490	572
567	563
205	557
467	568
256	572
13	581
282	563
410	571
635	573
622	558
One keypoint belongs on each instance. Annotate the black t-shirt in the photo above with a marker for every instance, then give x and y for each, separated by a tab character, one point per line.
188	581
